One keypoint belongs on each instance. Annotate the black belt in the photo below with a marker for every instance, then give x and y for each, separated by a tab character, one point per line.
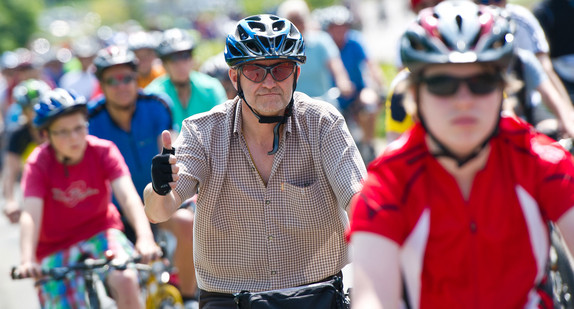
227	301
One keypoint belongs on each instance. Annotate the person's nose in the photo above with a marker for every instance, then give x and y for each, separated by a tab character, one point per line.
269	81
464	97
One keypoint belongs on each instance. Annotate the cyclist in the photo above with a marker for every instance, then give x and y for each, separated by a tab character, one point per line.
325	64
397	119
134	122
67	210
215	66
21	142
143	44
274	168
534	98
363	106
529	35
83	81
456	209
189	91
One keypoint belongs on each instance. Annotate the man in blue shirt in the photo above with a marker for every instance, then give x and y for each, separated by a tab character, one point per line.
134	122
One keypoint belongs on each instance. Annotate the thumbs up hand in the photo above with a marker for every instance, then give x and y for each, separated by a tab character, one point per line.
163	168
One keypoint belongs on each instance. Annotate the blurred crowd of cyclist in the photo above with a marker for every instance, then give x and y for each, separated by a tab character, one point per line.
155	70
139	82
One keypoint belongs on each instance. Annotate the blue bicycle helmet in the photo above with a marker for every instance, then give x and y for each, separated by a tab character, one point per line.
29	92
56	103
264	36
458	32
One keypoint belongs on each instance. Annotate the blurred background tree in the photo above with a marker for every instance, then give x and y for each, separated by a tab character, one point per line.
18	21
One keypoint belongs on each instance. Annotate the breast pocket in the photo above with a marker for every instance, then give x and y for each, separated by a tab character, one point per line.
308	206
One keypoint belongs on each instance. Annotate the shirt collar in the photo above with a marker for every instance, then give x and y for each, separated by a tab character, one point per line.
237	126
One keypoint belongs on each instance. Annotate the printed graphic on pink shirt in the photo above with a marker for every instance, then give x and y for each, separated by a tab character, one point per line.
74	194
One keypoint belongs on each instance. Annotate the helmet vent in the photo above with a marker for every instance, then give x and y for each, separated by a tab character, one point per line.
277	40
253	47
289	45
234	51
255	17
458	19
242	34
266	43
278	26
257	26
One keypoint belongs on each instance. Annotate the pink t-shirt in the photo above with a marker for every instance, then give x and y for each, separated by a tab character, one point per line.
77	198
485	252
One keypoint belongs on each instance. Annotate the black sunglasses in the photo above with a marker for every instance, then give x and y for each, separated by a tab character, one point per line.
119	80
446	85
184	55
257	73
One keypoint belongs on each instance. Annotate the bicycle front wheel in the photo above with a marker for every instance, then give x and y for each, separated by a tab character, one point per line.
167	297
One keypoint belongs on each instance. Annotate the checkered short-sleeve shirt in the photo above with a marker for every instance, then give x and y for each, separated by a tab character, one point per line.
249	236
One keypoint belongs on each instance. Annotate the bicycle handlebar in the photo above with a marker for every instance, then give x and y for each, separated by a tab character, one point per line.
87	264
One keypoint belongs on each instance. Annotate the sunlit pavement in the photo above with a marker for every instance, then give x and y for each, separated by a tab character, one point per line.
14	294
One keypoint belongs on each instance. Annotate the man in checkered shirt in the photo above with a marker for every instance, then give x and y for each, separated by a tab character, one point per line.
275	171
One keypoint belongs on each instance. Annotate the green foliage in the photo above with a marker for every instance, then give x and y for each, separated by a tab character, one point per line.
253	7
17	22
206	49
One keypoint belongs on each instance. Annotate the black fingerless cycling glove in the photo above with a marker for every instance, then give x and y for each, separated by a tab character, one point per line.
161	172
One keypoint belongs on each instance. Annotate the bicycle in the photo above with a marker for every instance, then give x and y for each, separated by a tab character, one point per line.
89	269
155	285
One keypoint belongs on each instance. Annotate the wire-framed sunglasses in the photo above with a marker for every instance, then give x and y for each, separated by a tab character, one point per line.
257	73
447	85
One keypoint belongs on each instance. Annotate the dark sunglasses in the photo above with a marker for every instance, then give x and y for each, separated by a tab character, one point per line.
257	73
119	80
446	85
186	55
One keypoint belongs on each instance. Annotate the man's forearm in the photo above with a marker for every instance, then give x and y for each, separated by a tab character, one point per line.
159	208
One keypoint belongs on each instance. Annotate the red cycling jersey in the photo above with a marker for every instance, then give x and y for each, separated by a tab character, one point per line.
488	251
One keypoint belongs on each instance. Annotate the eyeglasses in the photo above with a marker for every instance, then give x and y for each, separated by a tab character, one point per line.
119	80
446	85
65	133
185	55
257	73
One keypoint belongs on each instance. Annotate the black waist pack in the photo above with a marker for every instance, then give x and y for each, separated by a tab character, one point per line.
322	295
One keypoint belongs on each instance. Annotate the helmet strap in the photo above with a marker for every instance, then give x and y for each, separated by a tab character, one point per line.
270	119
444	151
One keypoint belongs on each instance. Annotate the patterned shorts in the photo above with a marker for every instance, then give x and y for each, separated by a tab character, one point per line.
70	292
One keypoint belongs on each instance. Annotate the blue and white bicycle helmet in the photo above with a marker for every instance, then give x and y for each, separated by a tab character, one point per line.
262	37
265	37
56	103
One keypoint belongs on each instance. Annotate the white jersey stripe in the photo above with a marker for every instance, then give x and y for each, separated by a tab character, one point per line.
537	230
412	255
